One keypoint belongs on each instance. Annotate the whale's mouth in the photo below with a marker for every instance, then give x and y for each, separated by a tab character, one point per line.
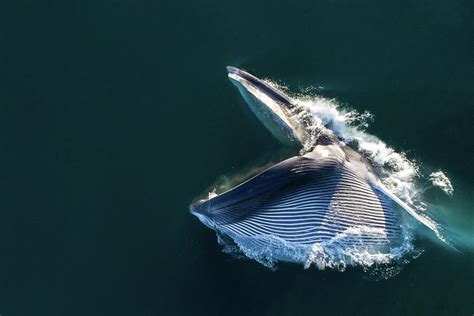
295	210
231	180
225	184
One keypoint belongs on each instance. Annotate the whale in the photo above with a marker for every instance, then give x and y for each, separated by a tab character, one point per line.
328	196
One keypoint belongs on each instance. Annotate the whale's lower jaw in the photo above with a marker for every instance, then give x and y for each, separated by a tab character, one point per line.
302	202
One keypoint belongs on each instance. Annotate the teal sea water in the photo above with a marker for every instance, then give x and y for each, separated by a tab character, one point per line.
115	115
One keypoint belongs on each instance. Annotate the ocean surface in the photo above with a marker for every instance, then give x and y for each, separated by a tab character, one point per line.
115	115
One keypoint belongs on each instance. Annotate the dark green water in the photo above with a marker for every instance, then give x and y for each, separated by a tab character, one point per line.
115	115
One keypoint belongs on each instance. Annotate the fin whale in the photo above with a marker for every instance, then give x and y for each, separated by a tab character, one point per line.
328	195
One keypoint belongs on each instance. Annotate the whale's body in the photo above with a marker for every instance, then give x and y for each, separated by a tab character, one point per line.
327	197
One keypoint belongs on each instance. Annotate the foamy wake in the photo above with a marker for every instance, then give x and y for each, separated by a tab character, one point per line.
398	173
343	250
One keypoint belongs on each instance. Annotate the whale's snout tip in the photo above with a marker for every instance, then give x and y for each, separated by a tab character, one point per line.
197	207
194	207
201	210
232	70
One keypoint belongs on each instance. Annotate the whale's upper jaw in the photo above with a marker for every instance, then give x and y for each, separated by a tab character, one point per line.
273	108
236	74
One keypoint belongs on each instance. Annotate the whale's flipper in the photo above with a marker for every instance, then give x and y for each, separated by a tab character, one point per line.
305	201
426	221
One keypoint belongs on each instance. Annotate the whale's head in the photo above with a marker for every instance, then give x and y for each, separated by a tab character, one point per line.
272	107
277	112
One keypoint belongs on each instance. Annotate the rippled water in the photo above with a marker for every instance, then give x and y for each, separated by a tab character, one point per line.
116	114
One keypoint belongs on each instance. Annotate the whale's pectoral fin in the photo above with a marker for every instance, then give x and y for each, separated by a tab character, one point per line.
423	219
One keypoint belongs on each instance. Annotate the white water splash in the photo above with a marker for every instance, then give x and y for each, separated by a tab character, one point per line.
396	171
399	174
440	180
340	252
335	254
